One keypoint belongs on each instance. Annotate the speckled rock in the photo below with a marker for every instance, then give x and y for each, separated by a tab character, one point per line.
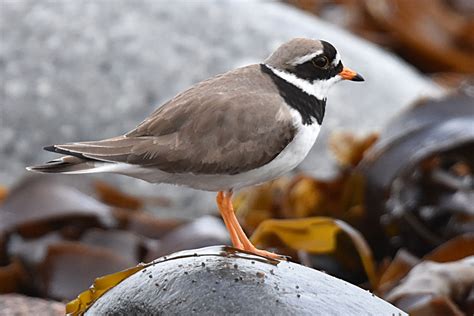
221	281
75	70
17	304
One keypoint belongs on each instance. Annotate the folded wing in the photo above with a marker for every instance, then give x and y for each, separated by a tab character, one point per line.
221	131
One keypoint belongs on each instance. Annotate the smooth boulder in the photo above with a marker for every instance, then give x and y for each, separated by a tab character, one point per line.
223	281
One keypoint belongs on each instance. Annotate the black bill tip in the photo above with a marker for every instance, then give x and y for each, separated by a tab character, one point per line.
357	77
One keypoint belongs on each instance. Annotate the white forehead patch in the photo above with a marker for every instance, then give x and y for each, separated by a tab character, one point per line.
302	59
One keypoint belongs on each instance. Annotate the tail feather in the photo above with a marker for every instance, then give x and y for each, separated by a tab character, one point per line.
66	164
108	155
117	149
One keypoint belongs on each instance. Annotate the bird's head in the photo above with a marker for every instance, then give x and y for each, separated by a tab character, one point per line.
312	65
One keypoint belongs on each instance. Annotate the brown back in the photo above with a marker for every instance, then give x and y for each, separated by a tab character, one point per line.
228	124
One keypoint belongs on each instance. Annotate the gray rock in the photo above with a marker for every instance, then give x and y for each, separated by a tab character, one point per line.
221	281
75	70
17	304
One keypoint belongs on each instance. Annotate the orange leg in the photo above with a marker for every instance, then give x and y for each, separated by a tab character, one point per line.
247	245
221	203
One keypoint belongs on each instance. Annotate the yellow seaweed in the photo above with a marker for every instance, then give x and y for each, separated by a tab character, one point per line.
315	235
101	285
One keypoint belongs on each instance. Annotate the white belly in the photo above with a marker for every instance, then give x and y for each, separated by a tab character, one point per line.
289	158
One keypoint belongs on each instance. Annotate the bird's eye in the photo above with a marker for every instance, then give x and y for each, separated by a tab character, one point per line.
321	61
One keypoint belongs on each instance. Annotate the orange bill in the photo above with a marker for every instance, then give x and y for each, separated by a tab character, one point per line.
349	74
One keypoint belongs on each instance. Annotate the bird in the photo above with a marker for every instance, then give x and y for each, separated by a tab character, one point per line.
238	129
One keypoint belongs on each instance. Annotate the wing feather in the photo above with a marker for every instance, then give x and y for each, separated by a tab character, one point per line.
229	124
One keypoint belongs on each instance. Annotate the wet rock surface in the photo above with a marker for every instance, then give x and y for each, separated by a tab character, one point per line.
221	281
83	71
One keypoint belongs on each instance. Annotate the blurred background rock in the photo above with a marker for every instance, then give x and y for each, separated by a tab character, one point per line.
86	70
385	196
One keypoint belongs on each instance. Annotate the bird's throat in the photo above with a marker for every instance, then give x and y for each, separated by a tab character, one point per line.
310	106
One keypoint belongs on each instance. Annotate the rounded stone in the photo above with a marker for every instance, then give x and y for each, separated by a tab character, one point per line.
222	281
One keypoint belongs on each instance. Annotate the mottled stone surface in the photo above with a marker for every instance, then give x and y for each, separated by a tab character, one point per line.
84	70
17	304
221	281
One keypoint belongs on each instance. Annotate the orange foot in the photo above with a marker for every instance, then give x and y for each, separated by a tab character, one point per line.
237	234
264	253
